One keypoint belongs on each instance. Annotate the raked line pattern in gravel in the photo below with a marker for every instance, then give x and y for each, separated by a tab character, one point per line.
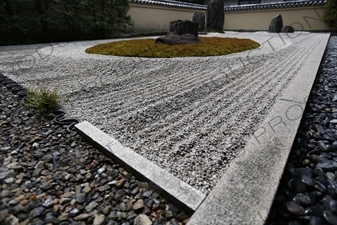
191	116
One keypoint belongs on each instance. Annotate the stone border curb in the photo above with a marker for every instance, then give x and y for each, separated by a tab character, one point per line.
179	192
246	191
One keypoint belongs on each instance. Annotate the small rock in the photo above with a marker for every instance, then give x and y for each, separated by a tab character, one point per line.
38	222
24	202
30	206
67	194
334	99
73	144
113	215
181	217
99	219
63	216
103	188
138	205
13	202
101	170
92	205
330	205
80	197
14	166
330	175
122	207
121	215
147	193
119	195
143	185
3	175
135	191
302	199
142	220
9	180
82	216
36	172
48	202
130	215
295	208
287	29
47	158
330	217
49	218
38	211
149	202
120	182
308	180
46	186
328	165
64	201
333	121
296	186
107	209
168	214
42	195
74	212
55	208
58	175
87	189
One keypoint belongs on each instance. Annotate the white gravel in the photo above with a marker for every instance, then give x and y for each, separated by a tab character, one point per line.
191	116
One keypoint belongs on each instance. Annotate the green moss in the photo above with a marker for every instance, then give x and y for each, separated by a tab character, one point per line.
209	46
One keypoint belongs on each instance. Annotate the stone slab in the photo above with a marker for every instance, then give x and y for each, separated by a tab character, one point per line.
178	191
246	191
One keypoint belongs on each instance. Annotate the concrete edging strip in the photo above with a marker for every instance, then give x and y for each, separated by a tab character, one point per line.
179	192
246	191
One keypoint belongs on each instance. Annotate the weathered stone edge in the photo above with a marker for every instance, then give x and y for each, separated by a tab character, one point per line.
246	191
179	192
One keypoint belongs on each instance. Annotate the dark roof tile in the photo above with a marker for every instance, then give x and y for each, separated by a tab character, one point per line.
275	5
178	4
171	3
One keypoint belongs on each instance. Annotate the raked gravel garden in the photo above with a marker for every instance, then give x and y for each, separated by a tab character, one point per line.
190	116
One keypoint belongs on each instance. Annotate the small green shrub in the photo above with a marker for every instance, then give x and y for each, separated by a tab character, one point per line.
42	100
209	46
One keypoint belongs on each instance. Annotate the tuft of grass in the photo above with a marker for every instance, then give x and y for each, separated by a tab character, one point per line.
209	46
42	100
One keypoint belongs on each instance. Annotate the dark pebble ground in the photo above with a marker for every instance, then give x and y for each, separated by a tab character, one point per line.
308	190
50	176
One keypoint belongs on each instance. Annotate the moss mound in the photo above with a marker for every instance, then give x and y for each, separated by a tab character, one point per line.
209	46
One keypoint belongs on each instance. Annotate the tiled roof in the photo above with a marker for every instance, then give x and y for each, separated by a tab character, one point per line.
276	5
172	3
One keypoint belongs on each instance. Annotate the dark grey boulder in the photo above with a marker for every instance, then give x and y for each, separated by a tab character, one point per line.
215	15
180	32
276	24
199	18
180	27
175	39
287	29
